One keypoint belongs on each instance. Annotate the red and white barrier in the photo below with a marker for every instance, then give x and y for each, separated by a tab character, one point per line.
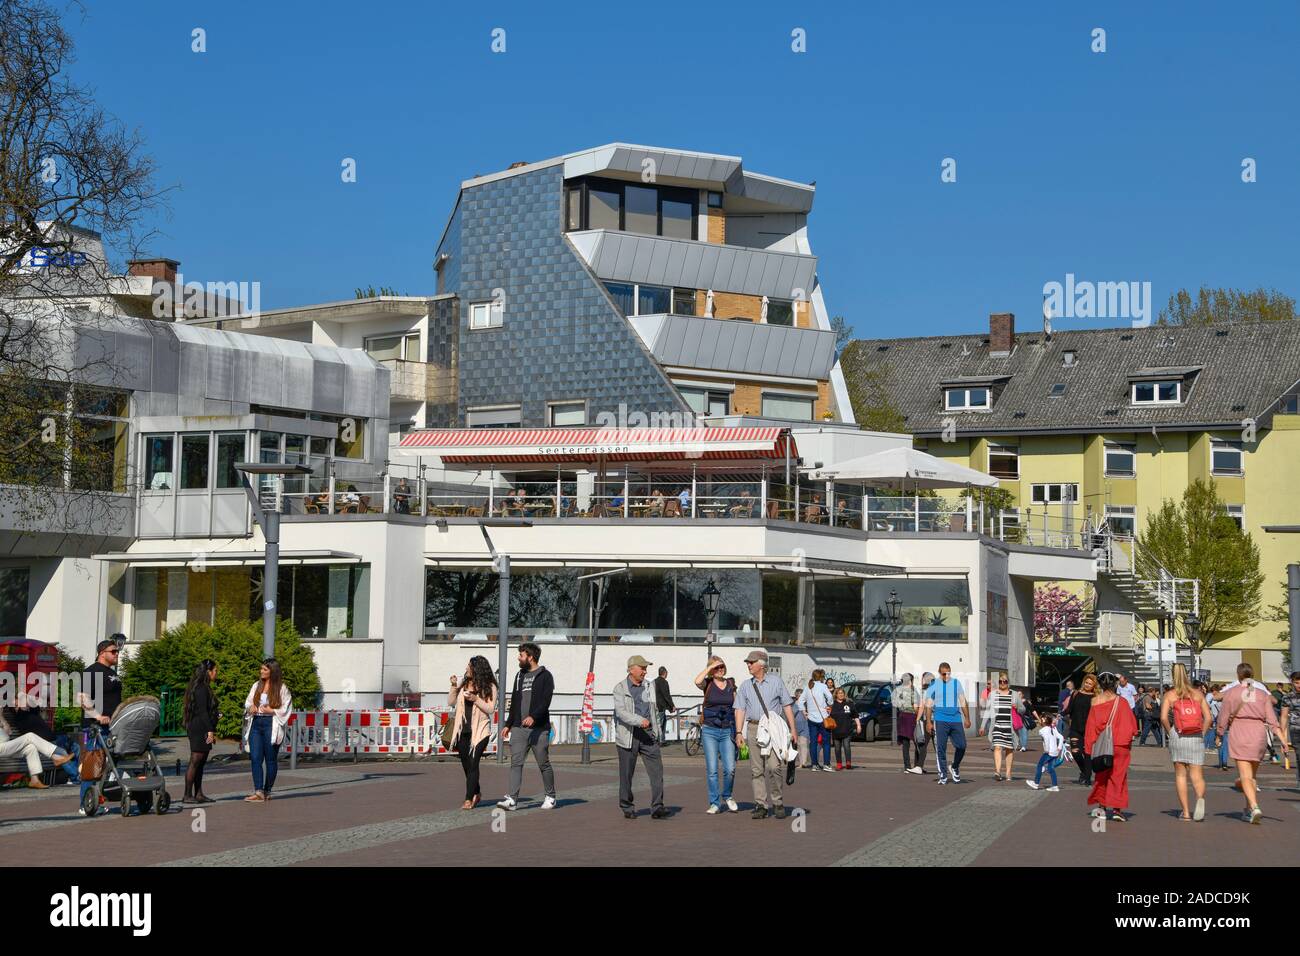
387	732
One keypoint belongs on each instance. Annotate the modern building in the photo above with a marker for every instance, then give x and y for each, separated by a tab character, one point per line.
1103	426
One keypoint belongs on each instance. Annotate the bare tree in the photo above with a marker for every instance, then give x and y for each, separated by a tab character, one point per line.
69	174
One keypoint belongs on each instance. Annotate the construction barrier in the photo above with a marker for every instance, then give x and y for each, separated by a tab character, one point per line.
376	732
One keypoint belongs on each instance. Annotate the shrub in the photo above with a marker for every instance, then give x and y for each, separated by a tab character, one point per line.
66	713
236	646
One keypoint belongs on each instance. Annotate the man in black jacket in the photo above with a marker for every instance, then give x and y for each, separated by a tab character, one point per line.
663	703
528	726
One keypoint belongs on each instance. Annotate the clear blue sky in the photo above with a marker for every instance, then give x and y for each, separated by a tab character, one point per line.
1124	165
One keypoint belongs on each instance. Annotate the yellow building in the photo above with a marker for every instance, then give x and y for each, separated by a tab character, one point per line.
1102	426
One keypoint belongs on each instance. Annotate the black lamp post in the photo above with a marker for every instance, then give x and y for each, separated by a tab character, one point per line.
894	608
1192	628
711	597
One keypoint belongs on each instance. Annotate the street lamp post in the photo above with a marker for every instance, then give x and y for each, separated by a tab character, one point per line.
1192	628
595	609
711	597
269	522
501	562
894	607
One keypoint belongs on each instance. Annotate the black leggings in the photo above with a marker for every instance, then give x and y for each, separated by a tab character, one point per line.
1081	758
194	773
843	749
469	760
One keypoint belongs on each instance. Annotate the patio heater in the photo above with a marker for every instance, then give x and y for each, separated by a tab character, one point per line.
894	608
269	521
711	597
501	562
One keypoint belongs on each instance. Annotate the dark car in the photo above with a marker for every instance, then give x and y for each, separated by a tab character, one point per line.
871	704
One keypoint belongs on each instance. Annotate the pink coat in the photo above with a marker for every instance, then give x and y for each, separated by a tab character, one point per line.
1244	715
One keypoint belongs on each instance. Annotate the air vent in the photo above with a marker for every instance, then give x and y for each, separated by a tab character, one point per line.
945	345
882	348
1238	408
1127	337
1033	341
1018	415
1111	412
1058	390
1221	333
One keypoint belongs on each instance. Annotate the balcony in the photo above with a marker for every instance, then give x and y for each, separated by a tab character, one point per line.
691	264
420	382
744	347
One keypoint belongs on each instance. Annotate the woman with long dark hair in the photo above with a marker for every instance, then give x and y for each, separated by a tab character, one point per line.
474	699
199	718
266	713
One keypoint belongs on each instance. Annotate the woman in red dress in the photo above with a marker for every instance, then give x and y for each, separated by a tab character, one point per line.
1110	790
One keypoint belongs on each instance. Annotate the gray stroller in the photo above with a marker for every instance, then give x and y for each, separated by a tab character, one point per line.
129	735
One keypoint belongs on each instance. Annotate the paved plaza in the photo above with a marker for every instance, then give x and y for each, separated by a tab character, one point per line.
407	813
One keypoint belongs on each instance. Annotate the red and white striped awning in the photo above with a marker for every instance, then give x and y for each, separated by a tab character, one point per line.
493	446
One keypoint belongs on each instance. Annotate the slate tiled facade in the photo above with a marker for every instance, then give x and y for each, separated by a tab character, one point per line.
561	337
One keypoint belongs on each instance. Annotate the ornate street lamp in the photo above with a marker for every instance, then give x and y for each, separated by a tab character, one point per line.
1192	628
711	597
894	608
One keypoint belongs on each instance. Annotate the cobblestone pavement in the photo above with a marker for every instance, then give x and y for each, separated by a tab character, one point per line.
407	812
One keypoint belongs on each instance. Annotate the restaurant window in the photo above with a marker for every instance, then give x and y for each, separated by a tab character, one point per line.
194	462
1121	519
1121	461
788	406
567	414
230	450
966	399
159	462
704	401
1157	393
1226	458
1004	461
780	312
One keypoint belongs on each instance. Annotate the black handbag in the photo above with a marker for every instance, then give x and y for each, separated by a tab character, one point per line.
1103	748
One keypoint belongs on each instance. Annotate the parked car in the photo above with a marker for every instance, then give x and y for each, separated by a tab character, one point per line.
871	704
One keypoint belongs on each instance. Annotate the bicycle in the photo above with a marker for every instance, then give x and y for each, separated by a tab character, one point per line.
691	740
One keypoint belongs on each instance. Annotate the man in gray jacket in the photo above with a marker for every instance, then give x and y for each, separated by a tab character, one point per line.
636	717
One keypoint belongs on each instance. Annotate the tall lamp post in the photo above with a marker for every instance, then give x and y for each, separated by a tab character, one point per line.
501	562
711	597
1192	628
893	609
595	609
269	522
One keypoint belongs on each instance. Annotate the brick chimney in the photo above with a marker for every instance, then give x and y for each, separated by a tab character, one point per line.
160	270
1002	333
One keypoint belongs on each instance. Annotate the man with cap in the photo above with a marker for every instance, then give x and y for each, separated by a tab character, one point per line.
763	694
101	693
636	716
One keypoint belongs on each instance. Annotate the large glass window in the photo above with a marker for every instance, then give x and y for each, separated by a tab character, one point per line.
194	462
1121	461
230	450
678	219
703	401
788	406
1054	493
624	296
635	207
641	210
1004	461
1226	458
159	462
958	399
653	300
1122	519
683	301
269	447
1157	393
933	609
568	414
602	208
780	312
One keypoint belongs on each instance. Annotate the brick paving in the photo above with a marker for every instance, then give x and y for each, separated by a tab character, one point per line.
406	813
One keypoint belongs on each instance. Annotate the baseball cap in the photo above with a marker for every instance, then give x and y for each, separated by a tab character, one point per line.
756	656
636	660
104	645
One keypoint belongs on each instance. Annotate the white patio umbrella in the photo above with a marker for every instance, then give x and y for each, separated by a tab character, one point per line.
908	466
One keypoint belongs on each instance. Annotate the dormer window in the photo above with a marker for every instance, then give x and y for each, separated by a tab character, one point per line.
1168	392
966	399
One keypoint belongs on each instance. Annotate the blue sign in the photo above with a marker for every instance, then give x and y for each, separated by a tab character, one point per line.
43	257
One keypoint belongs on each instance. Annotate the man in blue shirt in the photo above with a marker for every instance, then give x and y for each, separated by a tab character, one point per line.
947	704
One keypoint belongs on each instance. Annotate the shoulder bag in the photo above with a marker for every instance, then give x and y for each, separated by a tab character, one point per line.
1103	749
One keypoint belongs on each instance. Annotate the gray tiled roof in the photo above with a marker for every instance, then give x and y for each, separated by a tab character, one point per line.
1243	370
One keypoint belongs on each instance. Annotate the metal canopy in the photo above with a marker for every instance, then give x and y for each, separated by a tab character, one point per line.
221	557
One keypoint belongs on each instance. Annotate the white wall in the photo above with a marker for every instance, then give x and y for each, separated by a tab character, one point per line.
67	604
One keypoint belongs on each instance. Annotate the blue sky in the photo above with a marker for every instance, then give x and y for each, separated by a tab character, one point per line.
1115	166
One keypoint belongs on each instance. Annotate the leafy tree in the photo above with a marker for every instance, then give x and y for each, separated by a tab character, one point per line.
1226	306
843	333
871	394
236	645
1056	610
1195	538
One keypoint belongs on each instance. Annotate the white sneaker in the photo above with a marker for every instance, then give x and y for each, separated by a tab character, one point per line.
828	769
548	803
507	804
1053	789
731	806
1031	785
915	770
955	778
942	778
713	808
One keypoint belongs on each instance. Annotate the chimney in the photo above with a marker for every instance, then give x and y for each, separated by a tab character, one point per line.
160	270
1002	333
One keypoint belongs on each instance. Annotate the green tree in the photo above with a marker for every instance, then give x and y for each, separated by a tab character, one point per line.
1195	538
871	393
236	645
1227	306
843	333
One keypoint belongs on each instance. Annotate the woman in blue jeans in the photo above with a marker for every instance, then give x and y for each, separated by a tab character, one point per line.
718	732
266	715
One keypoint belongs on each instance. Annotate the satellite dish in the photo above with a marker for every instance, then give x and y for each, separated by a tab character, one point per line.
1047	319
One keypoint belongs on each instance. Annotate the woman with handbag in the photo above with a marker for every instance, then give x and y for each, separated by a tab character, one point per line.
1245	719
842	724
266	715
717	732
906	700
474	703
1108	740
1185	716
1002	722
923	730
1078	708
199	717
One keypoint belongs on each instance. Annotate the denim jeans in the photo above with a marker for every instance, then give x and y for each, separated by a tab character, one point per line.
1152	726
943	732
1046	762
1023	732
263	752
814	731
719	742
87	784
1223	752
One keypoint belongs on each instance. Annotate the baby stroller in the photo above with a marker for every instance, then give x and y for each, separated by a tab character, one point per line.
129	735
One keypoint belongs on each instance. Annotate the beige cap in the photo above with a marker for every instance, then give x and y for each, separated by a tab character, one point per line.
760	656
636	660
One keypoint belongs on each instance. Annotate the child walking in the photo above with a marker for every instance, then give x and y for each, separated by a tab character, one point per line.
846	725
1053	745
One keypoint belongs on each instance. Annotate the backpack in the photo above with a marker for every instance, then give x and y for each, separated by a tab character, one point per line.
1187	716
